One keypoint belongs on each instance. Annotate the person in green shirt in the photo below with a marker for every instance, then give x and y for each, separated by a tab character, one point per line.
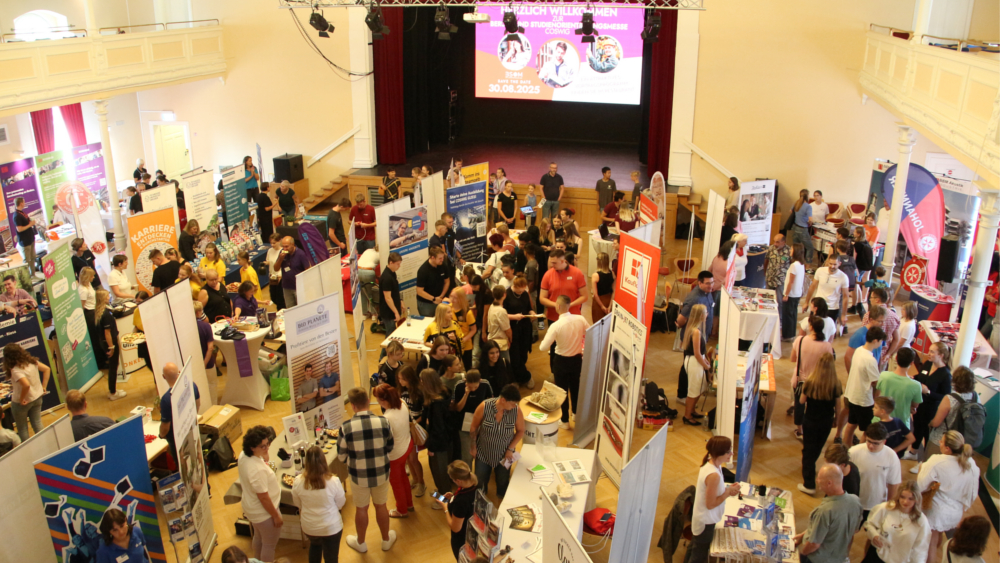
899	385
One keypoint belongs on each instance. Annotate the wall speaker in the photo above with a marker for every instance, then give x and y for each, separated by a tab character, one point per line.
288	167
948	259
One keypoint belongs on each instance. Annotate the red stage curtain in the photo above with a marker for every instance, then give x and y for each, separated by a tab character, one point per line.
45	134
390	129
73	118
661	94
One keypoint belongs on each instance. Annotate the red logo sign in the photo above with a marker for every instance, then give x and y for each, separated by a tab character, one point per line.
49	268
99	248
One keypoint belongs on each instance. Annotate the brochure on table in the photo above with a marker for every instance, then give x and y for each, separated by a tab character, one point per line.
622	377
398	228
637	499
23	517
595	349
315	360
756	203
713	229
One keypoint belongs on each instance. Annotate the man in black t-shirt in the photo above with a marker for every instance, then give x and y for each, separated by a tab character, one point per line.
552	188
390	185
265	212
335	226
166	271
432	282
26	230
135	204
440	240
390	307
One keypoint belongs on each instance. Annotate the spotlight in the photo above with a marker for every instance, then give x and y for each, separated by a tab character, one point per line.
319	23
651	32
443	24
510	24
586	28
374	21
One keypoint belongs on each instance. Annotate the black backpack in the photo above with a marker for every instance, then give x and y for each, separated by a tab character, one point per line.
969	420
221	455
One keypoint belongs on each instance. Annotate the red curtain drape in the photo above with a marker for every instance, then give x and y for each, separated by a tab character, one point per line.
390	129
73	118
661	94
45	133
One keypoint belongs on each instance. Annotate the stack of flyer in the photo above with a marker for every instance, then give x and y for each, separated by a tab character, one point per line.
572	472
542	474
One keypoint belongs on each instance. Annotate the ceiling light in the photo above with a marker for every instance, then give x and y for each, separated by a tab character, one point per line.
442	23
319	23
586	27
374	21
651	32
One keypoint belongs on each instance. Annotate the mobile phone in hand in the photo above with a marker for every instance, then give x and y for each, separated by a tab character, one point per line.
439	496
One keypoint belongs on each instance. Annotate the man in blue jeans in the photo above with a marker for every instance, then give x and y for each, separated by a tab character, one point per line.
552	189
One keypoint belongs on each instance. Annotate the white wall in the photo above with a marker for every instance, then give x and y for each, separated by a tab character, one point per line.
985	24
778	95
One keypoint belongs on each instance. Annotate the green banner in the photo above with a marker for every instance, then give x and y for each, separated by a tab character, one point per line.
234	188
75	348
53	171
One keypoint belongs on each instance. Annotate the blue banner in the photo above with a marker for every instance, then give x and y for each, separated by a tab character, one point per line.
748	412
26	330
468	205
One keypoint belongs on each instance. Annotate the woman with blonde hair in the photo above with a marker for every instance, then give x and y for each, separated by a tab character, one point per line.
319	494
460	506
462	315
107	345
213	261
188	239
602	285
897	529
443	325
88	297
187	272
953	480
740	260
820	399
697	361
627	218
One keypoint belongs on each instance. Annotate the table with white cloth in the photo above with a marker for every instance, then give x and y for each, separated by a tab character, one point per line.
159	445
929	332
245	387
734	542
411	335
824	237
598	245
757	317
522	491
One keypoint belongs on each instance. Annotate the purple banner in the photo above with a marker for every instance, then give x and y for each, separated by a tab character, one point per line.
88	161
19	180
243	359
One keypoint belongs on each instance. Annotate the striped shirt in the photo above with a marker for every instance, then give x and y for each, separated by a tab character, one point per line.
493	438
364	445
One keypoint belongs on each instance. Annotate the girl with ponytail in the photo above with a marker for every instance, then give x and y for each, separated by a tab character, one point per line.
710	497
952	481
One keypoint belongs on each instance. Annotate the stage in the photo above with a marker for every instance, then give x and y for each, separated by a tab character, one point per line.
526	161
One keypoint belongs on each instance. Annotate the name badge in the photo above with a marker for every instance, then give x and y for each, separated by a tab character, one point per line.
122	558
569	277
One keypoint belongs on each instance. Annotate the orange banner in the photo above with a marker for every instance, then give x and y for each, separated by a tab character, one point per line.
147	231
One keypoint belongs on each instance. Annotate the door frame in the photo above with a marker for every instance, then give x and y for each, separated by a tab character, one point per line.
152	139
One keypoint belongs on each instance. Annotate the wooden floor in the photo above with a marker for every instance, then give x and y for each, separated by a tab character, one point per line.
424	536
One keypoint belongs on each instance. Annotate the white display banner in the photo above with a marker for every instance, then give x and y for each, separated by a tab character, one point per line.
756	203
595	349
620	402
313	332
185	326
434	199
406	231
713	229
190	456
649	233
559	542
160	337
96	237
309	284
161	198
637	498
729	344
199	199
182	403
23	516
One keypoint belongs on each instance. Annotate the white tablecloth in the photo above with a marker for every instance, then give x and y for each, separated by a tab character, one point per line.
597	245
411	335
251	390
733	505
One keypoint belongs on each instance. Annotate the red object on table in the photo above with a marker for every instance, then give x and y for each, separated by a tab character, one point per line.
345	277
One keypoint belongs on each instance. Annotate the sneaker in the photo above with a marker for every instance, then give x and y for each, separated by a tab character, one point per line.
563	426
120	394
530	384
909	455
798	435
387	544
352	541
437	506
803	488
419	490
915	469
838	440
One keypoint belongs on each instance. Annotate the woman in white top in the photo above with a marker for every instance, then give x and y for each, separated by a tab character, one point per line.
794	284
817	307
121	287
710	497
957	480
88	297
969	541
320	496
898	531
27	387
396	412
261	492
820	208
908	327
740	259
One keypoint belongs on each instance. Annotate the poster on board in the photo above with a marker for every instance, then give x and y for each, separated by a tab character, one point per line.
19	179
150	230
191	459
756	203
748	369
75	349
26	330
638	270
622	377
80	483
237	207
312	332
467	204
648	211
408	235
658	194
199	203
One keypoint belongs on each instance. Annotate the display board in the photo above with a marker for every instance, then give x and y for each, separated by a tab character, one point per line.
150	230
237	207
75	194
647	211
75	348
729	345
23	517
635	284
84	164
658	195
467	203
163	197
748	408
432	191
548	61
637	498
199	201
19	179
648	233
408	234
595	350
714	218
923	214
620	402
26	330
80	483
756	203
559	541
313	341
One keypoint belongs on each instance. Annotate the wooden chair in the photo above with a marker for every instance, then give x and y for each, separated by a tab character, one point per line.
858	210
684	268
836	210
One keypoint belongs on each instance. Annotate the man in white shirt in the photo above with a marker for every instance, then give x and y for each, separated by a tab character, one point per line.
567	333
859	395
830	284
878	467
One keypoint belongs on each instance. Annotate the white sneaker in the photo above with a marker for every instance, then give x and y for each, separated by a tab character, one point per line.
909	455
915	469
352	541
120	394
803	488
387	544
563	426
530	384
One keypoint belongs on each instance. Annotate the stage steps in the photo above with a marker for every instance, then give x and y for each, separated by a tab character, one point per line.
694	203
327	191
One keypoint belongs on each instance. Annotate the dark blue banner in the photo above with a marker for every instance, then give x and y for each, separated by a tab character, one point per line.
468	205
26	330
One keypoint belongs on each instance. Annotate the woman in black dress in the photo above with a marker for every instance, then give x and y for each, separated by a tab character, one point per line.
518	306
187	240
265	213
934	378
107	347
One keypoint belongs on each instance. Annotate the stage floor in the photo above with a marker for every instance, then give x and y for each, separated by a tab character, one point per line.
525	161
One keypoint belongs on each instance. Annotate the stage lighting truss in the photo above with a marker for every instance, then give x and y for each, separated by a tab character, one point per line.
586	28
374	21
650	4
442	23
319	23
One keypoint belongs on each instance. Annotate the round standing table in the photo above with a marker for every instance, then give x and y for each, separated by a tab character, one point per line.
244	387
534	430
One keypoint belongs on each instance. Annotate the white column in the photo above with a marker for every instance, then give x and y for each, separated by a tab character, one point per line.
362	88
989	219
921	20
906	142
109	172
685	86
91	20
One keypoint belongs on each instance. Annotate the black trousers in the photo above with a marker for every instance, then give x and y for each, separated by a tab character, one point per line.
567	375
814	435
325	549
789	317
277	297
697	551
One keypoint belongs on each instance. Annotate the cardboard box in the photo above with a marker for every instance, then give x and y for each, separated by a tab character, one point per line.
222	420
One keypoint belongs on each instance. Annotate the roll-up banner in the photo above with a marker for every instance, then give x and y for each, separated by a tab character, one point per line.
313	340
19	179
756	203
82	482
648	211
191	462
148	231
713	229
199	202
729	344
748	407
467	203
76	194
84	164
637	498
161	198
234	187
75	349
26	330
658	195
408	233
595	349
635	286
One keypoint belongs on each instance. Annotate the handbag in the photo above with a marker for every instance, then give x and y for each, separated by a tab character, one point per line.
418	434
928	495
798	367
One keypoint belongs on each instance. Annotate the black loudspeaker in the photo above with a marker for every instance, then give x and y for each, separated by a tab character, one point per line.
288	167
948	259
